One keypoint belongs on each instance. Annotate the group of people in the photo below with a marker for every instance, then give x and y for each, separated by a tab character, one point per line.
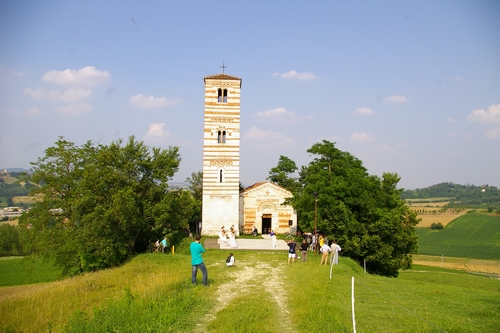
197	249
161	246
228	238
324	249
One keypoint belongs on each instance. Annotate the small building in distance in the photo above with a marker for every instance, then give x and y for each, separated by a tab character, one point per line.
262	205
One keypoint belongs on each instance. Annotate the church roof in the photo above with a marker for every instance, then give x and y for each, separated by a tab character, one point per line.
221	77
263	183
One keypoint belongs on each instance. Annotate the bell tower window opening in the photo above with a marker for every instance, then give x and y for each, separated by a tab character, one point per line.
220	176
221	137
221	96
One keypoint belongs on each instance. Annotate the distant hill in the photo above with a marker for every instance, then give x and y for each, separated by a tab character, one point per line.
14	169
458	195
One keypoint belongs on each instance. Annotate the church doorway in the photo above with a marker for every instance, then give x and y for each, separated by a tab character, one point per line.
266	223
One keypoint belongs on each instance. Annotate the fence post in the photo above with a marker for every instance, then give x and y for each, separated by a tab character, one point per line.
352	297
442	261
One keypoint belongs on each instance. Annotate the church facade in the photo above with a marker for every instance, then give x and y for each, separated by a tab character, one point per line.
262	205
223	205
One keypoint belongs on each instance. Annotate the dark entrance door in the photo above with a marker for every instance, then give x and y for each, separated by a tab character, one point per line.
266	223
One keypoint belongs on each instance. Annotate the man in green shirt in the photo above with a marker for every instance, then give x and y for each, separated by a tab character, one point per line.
196	250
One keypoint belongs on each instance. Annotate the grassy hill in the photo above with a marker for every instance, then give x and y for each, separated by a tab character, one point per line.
470	236
153	293
470	196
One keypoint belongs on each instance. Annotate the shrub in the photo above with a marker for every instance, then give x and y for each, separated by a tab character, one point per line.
436	226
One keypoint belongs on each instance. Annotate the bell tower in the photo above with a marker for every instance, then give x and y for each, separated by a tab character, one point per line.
221	153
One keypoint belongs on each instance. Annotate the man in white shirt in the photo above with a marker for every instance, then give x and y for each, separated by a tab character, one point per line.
335	253
325	249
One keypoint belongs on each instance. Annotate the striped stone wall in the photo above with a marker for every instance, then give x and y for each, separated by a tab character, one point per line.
221	154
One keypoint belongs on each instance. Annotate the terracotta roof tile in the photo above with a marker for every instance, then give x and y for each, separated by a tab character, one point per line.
222	77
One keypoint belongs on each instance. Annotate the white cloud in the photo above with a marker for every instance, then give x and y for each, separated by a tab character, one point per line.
488	116
451	120
266	138
34	111
68	95
458	78
361	137
494	133
294	75
387	148
86	77
151	101
156	132
277	115
74	108
396	99
364	111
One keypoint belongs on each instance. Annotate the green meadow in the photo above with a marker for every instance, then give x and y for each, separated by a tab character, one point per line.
470	236
19	271
153	293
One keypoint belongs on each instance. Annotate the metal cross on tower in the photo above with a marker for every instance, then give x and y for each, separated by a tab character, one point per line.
223	67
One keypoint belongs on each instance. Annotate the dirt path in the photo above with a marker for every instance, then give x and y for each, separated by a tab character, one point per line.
253	278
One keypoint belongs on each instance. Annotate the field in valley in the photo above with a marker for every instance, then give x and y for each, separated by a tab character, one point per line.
430	212
471	235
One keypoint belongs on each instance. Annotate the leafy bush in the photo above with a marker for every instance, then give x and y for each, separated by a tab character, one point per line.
436	226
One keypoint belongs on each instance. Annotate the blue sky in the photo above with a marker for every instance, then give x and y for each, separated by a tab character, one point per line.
411	87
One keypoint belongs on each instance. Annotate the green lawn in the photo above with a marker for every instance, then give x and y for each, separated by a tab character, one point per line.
18	271
469	236
153	293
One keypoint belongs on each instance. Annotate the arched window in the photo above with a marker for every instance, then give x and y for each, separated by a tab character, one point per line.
220	176
222	96
221	137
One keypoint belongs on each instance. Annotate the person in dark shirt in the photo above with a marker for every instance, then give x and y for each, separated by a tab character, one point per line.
303	249
291	251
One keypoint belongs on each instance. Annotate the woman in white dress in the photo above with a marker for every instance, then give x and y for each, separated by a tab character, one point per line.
232	240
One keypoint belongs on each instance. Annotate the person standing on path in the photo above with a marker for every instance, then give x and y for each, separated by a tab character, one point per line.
335	253
325	249
303	249
196	250
291	251
273	238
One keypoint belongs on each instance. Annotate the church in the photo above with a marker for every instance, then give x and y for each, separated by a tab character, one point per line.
260	205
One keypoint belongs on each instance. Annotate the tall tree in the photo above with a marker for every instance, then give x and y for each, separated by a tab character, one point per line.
100	204
282	174
195	186
363	212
